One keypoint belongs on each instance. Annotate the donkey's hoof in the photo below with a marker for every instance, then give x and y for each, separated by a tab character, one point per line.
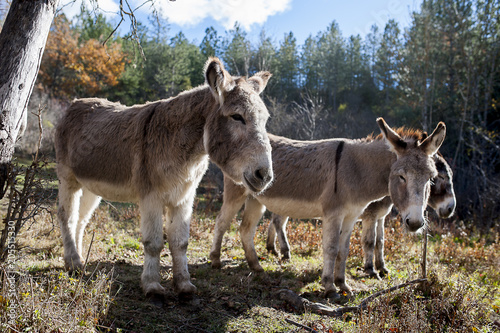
73	264
332	296
156	299
372	274
383	272
215	261
152	288
257	268
272	250
185	290
216	264
286	256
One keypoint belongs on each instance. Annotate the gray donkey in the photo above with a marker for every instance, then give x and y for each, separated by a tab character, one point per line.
155	155
335	180
442	200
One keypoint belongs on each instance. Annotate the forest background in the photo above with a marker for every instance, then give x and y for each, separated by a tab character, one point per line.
444	67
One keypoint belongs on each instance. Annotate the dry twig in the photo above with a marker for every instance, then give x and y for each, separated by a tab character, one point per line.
424	253
302	304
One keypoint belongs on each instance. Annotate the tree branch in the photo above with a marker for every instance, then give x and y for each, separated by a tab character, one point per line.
301	304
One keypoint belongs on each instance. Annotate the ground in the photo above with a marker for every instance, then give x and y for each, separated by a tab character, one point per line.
461	295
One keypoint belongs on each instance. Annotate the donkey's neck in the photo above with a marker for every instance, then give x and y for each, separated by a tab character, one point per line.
184	118
376	160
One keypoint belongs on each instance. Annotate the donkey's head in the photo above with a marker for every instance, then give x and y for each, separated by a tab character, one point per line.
411	174
235	135
442	198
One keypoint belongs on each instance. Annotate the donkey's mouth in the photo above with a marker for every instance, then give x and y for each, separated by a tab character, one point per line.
250	186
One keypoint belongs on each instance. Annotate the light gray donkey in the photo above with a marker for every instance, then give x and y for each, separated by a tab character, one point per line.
442	200
155	155
335	180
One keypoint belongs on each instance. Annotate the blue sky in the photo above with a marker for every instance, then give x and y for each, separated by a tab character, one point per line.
276	17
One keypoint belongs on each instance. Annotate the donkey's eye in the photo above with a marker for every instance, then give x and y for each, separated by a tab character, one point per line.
238	117
402	179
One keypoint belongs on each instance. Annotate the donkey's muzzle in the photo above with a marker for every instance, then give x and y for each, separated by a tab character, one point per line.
259	179
413	225
447	211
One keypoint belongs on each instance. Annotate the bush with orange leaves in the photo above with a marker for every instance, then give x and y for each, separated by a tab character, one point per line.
71	69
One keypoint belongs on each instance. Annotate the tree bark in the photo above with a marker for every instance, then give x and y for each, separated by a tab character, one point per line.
22	42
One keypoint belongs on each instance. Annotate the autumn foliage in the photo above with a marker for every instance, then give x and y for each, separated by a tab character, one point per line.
79	69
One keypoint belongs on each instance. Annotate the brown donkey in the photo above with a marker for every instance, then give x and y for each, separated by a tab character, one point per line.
155	155
441	199
335	180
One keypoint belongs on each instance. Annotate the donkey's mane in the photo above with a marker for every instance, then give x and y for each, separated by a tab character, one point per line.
404	132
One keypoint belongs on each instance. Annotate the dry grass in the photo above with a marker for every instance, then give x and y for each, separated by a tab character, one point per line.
462	294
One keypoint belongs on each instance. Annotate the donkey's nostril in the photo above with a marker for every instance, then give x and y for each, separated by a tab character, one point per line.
258	174
262	174
407	221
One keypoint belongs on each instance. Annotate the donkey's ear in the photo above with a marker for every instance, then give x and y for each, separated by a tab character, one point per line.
259	81
432	143
397	144
218	79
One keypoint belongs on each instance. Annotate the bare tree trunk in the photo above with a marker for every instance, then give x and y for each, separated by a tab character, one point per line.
22	42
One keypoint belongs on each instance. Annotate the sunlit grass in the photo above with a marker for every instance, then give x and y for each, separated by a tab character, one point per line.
462	293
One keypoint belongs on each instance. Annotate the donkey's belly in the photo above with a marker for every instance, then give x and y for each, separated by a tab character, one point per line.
292	208
111	192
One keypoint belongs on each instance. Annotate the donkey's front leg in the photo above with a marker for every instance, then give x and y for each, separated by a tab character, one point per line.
152	238
178	236
344	241
88	203
331	237
251	216
230	207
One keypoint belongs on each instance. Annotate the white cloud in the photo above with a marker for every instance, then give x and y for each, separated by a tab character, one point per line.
226	12
191	12
184	12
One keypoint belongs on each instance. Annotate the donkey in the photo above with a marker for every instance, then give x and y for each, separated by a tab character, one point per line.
335	180
155	155
441	199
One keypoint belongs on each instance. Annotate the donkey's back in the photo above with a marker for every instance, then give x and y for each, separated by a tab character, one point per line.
95	134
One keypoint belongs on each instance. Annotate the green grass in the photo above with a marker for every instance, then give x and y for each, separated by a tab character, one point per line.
462	294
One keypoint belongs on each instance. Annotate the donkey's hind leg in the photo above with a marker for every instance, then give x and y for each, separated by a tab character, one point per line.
69	202
368	238
178	237
88	203
278	227
251	216
271	236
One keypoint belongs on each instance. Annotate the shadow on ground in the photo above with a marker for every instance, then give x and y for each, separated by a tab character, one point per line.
223	295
